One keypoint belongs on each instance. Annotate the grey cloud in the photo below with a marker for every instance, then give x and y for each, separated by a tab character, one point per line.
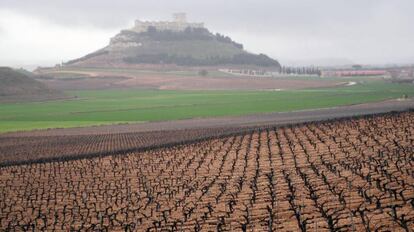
229	13
349	25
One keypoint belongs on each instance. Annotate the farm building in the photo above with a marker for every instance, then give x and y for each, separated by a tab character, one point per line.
347	73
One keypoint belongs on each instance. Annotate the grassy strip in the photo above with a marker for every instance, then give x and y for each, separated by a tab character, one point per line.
118	106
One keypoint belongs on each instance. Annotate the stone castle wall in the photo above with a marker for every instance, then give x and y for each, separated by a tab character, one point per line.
162	26
178	24
123	41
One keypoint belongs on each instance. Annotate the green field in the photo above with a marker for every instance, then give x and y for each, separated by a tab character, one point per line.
122	106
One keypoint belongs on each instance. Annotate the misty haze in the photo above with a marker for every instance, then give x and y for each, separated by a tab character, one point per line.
206	115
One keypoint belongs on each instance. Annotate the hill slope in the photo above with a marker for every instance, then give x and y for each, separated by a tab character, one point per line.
15	85
191	47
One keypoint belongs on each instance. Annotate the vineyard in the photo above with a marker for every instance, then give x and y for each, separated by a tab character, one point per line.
44	148
344	175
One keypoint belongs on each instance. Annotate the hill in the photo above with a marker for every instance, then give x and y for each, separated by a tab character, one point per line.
16	86
187	48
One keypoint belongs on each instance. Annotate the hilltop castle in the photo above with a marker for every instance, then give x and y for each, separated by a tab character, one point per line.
179	23
124	40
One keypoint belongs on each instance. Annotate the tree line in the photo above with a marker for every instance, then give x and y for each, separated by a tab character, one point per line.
238	59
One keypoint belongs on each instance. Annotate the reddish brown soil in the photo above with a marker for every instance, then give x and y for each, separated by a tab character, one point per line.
24	149
74	143
84	83
347	175
110	79
224	83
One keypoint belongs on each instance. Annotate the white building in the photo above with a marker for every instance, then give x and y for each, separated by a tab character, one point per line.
178	24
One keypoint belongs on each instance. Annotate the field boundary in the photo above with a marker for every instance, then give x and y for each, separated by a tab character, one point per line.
254	119
229	131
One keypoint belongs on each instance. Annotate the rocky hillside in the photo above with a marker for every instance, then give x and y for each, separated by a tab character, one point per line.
191	47
16	86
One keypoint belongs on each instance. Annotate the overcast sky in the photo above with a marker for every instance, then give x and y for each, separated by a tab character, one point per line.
45	32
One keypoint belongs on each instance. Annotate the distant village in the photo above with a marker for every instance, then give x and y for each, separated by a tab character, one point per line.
398	73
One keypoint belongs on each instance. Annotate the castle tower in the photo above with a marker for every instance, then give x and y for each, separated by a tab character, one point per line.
180	17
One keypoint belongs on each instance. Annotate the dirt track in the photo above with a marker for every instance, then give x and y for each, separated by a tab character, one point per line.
105	79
